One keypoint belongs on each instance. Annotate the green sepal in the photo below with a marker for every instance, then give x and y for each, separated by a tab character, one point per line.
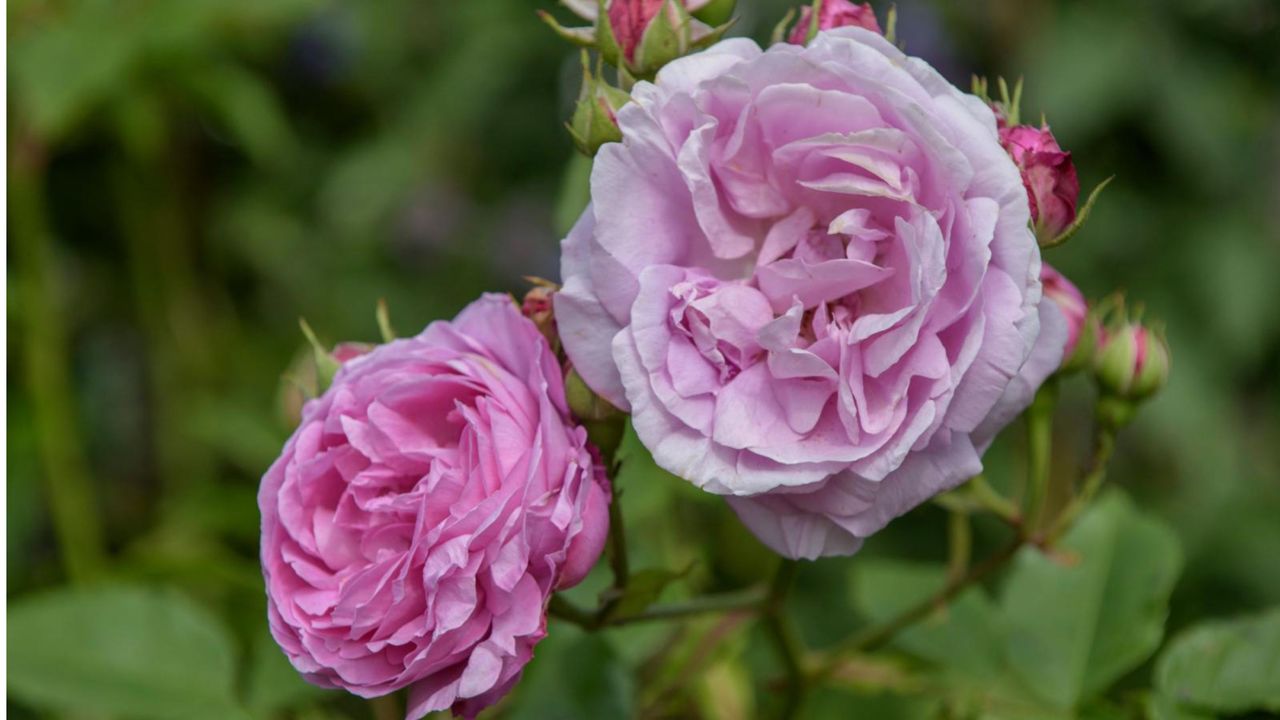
1081	217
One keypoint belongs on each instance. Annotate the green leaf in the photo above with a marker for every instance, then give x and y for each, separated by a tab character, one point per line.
126	651
1230	666
1078	621
964	635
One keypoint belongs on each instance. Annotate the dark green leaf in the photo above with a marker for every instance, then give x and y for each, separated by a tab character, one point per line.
572	676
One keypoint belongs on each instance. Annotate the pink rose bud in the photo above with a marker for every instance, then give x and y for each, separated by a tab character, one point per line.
834	14
1048	175
424	511
1081	328
1132	361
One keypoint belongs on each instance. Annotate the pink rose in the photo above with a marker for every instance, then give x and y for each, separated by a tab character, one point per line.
424	511
808	274
1048	175
834	14
1069	301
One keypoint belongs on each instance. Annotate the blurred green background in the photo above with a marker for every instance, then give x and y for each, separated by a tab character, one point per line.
188	177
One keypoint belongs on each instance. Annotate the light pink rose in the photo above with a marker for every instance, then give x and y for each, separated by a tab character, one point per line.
1048	175
424	511
1069	301
808	274
834	14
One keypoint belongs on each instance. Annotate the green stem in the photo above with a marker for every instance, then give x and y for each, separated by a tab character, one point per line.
1104	444
749	599
994	501
877	636
786	639
960	545
66	476
1039	451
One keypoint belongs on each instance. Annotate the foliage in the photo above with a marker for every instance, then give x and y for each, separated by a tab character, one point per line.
187	178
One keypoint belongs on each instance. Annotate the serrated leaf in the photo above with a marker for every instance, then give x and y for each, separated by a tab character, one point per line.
1079	620
129	651
1230	666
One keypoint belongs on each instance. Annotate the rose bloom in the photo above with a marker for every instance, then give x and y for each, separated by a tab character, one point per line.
1048	175
808	273
424	511
834	14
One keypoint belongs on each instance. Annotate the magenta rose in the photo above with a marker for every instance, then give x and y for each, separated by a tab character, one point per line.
808	273
834	14
424	511
1048	175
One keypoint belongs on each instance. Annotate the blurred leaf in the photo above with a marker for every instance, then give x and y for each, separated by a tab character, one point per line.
725	691
249	111
572	676
130	651
643	589
274	684
1077	623
1162	707
1230	666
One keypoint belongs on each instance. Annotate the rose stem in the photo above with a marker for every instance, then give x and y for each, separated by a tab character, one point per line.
878	636
1039	451
786	639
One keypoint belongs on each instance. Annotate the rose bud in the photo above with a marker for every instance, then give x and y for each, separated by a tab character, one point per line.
834	14
595	120
1048	175
1082	328
537	307
640	36
420	517
1132	361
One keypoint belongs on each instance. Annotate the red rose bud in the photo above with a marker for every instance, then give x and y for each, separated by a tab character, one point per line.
1082	328
1048	175
1132	361
834	14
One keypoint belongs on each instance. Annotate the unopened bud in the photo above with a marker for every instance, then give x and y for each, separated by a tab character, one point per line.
595	120
537	307
1082	327
833	14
